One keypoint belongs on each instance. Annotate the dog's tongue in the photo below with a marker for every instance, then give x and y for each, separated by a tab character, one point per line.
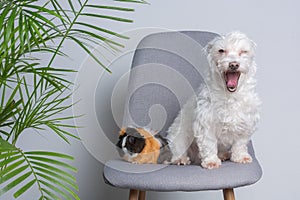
232	79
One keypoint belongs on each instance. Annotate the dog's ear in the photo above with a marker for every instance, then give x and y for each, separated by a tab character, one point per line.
208	47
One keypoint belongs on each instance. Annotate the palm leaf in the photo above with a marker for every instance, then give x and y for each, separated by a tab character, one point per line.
57	176
12	174
56	170
36	168
52	161
72	7
101	30
3	15
51	194
8	160
10	110
10	167
55	189
34	96
14	183
81	44
23	189
89	33
133	1
119	19
52	154
111	8
40	108
39	9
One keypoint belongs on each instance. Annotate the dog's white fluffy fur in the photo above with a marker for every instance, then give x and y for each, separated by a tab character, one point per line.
217	123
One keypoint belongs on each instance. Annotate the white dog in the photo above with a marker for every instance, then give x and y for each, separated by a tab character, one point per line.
217	123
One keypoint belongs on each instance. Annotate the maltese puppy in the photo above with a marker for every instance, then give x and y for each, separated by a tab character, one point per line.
216	124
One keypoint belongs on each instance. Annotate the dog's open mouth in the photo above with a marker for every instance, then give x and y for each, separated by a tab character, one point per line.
232	80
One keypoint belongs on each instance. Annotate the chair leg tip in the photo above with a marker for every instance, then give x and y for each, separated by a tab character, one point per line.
228	194
137	195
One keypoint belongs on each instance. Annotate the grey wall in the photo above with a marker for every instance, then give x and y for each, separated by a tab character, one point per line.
273	25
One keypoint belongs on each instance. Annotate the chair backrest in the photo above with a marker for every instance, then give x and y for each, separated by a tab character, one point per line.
167	69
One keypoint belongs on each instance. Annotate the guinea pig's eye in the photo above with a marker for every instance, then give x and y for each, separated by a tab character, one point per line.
131	140
221	51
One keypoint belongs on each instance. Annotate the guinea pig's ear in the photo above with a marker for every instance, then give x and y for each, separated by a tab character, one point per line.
122	131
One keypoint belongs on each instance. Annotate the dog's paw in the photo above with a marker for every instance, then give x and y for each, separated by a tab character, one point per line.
211	163
241	158
182	161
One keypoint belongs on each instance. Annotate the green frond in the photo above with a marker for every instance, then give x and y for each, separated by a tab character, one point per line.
34	96
51	194
133	1
23	189
12	174
47	171
81	44
119	19
52	161
10	168
111	8
58	183
39	9
14	183
3	15
72	7
51	154
60	11
58	177
56	170
102	30
9	111
55	189
93	35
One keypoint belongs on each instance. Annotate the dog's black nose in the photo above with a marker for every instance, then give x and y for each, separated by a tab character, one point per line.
234	65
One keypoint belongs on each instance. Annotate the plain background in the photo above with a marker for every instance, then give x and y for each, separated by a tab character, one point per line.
273	25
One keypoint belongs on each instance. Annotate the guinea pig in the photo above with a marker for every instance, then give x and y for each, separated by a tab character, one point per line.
139	145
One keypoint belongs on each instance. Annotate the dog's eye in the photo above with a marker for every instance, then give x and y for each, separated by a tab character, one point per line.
243	52
221	51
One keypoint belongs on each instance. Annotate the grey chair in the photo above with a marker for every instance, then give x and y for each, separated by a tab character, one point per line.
167	68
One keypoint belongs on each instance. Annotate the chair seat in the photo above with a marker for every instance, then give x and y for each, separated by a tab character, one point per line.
152	177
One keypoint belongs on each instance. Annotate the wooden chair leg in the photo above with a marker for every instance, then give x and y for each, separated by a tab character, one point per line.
142	195
228	194
133	194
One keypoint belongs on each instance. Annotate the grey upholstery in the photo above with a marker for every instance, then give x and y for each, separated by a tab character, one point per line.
151	177
167	69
